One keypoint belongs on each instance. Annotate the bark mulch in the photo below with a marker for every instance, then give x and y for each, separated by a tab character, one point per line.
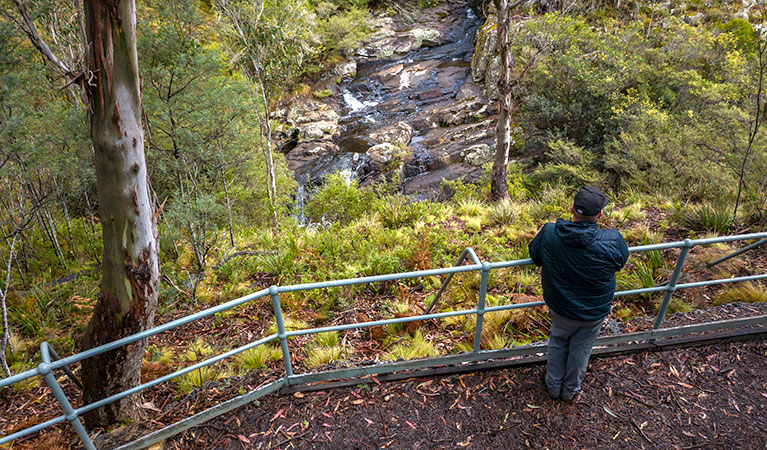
705	397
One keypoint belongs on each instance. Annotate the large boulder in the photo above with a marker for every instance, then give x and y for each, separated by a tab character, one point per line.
317	130
478	155
346	70
311	121
426	36
311	111
397	134
386	153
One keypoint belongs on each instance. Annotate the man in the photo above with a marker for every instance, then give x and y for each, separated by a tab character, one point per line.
578	261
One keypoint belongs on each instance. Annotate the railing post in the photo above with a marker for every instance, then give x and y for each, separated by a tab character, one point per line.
281	333
672	283
481	306
69	413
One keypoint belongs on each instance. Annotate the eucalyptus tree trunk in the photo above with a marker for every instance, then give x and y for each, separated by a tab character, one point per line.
499	188
130	279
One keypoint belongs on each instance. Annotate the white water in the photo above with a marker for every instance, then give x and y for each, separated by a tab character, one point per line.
354	104
404	80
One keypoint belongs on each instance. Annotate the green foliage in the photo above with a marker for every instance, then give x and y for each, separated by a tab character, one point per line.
677	305
198	351
625	105
641	235
744	33
318	356
397	211
567	164
506	212
339	200
343	30
323	350
412	348
259	357
706	217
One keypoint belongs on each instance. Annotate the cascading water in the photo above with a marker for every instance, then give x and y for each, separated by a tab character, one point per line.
386	92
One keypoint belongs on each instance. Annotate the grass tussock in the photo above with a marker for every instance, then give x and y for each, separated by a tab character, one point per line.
258	357
748	292
412	348
706	218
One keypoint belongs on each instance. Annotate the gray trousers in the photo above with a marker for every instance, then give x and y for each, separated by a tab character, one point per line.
570	343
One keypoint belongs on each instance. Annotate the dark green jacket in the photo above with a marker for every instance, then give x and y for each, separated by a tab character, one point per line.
579	262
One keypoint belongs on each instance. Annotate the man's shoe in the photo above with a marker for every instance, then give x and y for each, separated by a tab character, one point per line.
567	396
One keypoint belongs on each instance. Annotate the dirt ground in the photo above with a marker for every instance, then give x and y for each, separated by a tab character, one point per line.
704	397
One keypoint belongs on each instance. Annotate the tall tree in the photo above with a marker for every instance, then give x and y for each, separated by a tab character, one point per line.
130	277
130	270
270	40
499	187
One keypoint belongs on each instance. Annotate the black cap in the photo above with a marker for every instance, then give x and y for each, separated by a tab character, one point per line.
589	201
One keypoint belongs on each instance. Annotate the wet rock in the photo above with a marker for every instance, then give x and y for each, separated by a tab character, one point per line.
430	94
420	162
388	75
479	154
429	185
398	134
307	152
466	111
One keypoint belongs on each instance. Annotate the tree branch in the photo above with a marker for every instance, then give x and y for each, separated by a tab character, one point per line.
28	27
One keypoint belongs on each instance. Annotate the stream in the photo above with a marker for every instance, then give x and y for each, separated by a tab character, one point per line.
423	101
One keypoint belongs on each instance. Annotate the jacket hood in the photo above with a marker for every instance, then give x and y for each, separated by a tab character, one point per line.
576	234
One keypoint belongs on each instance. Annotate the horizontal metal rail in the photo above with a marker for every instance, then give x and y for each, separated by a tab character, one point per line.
51	361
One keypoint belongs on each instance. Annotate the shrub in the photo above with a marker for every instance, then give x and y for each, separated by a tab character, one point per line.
346	29
397	211
339	200
642	274
197	352
327	339
628	212
676	305
496	342
471	207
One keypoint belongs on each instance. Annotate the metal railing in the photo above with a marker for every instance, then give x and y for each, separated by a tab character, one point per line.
51	361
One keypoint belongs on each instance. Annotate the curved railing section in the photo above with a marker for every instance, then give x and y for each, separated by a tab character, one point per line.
51	361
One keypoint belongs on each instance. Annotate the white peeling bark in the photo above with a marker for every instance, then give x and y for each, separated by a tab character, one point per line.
499	188
130	279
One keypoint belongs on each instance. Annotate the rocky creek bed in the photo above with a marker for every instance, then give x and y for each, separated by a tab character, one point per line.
404	104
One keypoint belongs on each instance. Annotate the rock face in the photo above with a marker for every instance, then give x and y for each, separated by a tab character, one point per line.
405	104
399	134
